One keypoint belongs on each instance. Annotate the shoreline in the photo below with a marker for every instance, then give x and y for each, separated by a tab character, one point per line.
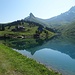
19	64
48	67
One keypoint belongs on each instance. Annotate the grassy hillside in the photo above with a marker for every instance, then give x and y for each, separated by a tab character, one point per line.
69	30
13	63
66	29
23	29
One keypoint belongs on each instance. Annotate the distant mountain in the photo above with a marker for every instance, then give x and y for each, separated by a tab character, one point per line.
32	18
60	23
62	19
70	30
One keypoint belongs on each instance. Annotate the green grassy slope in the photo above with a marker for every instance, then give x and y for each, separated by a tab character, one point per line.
69	30
30	30
13	63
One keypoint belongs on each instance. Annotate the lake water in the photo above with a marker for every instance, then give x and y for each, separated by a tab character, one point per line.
57	53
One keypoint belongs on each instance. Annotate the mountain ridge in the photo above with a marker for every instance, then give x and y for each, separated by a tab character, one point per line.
64	18
32	18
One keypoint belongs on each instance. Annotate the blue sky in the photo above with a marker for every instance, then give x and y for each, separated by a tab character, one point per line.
11	10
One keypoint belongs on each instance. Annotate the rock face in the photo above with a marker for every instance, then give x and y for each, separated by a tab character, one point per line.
72	9
31	15
32	18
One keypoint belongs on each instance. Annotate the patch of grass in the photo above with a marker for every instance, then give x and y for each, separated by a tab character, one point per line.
13	63
29	31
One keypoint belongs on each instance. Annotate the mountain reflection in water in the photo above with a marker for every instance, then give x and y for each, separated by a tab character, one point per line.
57	53
64	45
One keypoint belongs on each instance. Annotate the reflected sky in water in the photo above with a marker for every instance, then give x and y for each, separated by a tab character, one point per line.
58	53
55	59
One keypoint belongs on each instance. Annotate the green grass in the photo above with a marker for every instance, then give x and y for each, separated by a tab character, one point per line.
28	32
13	63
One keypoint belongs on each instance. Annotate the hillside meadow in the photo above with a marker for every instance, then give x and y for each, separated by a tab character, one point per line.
14	63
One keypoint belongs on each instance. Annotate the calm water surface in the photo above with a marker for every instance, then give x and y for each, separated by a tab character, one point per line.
57	53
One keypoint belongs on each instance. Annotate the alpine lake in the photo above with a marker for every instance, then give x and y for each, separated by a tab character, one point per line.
57	53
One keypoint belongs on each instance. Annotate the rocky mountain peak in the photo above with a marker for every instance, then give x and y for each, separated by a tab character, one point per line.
31	15
72	9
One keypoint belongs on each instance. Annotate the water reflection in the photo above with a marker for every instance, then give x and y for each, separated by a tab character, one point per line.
64	45
58	52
